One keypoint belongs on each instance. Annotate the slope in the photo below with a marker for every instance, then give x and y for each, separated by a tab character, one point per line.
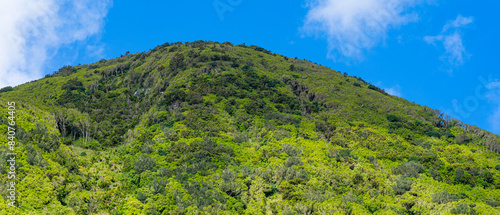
219	128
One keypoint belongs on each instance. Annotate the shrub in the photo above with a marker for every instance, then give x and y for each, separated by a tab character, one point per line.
423	144
162	152
463	209
289	189
462	138
351	198
492	202
448	135
433	133
459	173
392	118
371	158
141	197
240	138
402	185
170	134
73	84
409	169
292	161
6	89
34	157
443	197
413	158
435	174
177	62
144	163
281	134
147	149
290	150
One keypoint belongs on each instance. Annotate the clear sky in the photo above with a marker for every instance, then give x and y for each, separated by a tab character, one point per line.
439	53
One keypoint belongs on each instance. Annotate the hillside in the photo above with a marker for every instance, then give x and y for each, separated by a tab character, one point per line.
217	128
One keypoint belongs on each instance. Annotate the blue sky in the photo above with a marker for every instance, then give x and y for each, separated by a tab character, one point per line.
439	53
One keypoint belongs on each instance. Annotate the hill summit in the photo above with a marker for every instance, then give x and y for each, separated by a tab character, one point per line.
215	128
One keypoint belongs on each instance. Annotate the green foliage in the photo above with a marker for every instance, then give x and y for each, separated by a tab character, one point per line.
433	133
34	157
216	128
290	150
463	209
444	197
409	169
73	84
240	138
392	118
291	189
6	89
144	163
281	134
462	138
402	185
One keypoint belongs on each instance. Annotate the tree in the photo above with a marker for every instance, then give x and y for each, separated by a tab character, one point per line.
6	89
144	163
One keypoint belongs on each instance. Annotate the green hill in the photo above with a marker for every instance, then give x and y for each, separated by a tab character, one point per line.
216	128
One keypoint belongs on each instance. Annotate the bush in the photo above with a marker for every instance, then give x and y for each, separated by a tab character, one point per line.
409	169
435	174
463	209
170	134
292	161
462	138
281	134
290	150
34	157
240	138
402	185
433	133
443	197
423	144
141	197
144	163
73	84
413	158
147	149
372	87
448	135
6	89
392	118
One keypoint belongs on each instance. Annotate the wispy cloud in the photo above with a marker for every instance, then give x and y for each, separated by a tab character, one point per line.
493	96
32	31
395	91
354	26
451	39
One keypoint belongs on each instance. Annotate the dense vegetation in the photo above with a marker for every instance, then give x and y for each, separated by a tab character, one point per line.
216	128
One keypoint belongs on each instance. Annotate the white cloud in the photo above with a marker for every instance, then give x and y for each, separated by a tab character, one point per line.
451	39
32	31
457	23
395	91
353	26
